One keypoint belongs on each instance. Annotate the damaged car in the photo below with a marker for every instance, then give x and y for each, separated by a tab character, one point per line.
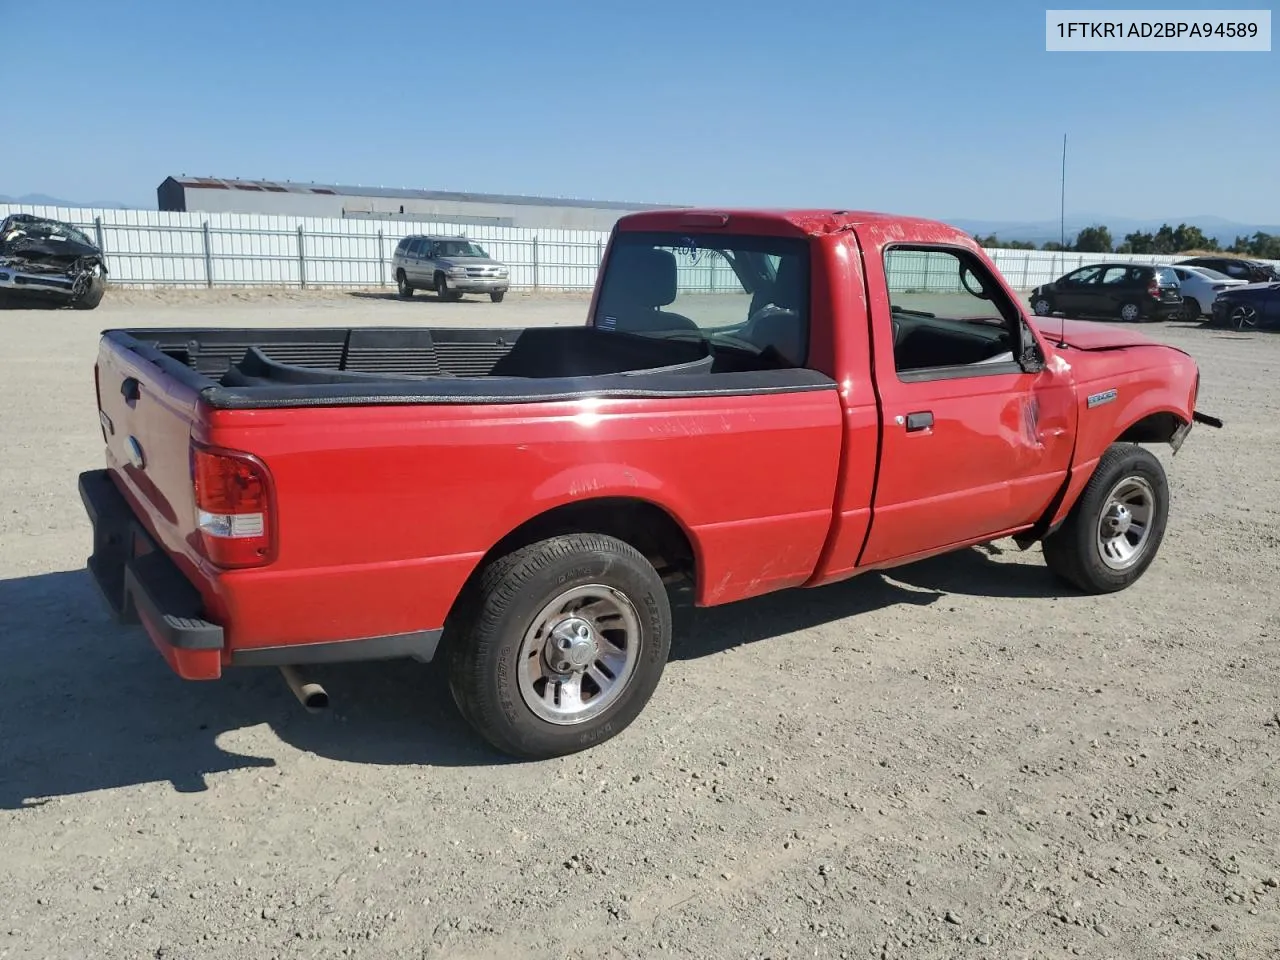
49	258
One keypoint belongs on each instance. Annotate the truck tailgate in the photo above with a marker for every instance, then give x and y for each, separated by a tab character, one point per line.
147	419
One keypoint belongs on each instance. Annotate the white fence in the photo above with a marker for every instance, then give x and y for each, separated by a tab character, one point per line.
150	248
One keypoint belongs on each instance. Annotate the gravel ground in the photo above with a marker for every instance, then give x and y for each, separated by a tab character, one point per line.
957	759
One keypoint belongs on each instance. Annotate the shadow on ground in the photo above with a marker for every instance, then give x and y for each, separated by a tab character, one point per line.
420	296
86	705
13	301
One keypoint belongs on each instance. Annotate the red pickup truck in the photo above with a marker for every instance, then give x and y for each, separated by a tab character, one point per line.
757	401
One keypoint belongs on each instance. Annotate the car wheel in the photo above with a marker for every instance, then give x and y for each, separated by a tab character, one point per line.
1191	309
92	296
442	289
1130	312
560	645
1244	317
1042	306
1114	531
497	295
402	284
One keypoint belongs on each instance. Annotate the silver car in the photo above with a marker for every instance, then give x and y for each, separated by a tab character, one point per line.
451	266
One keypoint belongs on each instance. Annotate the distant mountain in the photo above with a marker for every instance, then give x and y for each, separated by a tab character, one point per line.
44	200
1040	231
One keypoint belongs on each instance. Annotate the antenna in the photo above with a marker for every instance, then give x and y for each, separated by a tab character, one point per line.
1062	235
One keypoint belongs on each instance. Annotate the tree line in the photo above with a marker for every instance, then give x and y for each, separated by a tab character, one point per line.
1167	240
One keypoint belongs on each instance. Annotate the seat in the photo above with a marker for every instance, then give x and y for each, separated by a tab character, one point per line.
781	322
639	282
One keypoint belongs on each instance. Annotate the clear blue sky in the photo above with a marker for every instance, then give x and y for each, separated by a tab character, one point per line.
939	108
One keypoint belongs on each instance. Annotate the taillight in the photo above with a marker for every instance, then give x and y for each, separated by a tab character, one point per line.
234	509
1153	288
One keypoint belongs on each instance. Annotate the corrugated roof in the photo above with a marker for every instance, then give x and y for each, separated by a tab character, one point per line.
330	189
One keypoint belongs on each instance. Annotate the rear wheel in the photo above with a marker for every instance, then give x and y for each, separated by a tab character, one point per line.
1130	312
402	284
1191	309
560	645
1114	531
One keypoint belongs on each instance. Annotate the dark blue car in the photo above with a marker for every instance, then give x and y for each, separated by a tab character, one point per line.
1247	307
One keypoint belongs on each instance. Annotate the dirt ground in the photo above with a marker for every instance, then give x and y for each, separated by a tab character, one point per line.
958	759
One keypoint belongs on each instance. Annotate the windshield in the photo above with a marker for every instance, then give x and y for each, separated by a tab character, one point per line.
736	290
459	248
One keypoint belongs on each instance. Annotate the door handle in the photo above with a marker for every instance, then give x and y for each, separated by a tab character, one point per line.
920	420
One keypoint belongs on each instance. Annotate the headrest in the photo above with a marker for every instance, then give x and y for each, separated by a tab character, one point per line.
788	285
640	277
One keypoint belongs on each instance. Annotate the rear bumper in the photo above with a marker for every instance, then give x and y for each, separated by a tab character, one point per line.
143	586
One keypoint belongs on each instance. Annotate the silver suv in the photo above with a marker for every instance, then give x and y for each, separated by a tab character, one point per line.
451	266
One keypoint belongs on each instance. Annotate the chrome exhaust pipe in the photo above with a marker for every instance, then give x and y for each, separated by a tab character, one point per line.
310	695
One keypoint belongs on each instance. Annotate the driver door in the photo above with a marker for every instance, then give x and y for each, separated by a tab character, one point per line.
976	431
1078	291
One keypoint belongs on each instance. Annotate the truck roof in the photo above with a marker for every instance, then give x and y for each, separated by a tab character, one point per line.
795	222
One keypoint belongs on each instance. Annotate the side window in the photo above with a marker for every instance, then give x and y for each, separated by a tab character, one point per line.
1084	275
949	316
1115	275
411	249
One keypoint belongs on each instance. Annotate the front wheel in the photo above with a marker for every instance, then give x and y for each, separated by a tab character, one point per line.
1042	306
1114	531
92	295
497	295
560	645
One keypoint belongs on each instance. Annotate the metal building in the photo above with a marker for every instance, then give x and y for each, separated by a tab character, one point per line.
216	195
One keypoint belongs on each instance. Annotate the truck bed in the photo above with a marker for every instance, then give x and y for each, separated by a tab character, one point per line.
249	368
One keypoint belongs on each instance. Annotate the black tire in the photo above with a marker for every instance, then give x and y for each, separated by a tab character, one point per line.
402	284
485	637
92	296
1191	309
1042	307
442	289
1073	551
1133	309
497	295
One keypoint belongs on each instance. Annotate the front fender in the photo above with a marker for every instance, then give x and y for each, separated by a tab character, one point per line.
1119	404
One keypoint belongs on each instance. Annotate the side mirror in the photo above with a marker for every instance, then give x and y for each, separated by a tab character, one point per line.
1029	358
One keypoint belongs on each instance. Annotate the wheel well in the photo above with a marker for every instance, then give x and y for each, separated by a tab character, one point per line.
1153	428
644	525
